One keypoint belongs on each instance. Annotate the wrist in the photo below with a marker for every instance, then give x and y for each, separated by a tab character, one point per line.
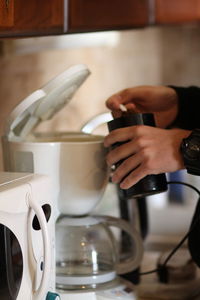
190	150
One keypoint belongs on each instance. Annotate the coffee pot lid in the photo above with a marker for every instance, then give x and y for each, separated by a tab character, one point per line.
45	102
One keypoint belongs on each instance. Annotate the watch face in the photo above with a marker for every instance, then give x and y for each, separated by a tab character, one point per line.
192	148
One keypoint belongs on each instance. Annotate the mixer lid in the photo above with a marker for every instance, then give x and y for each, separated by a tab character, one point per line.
44	103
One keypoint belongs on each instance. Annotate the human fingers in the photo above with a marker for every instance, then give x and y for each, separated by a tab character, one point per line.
124	108
114	101
121	152
133	177
128	166
119	135
123	97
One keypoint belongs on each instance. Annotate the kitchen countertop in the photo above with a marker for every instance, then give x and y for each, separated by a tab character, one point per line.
149	287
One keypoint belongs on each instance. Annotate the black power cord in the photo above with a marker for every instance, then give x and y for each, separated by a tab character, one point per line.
163	267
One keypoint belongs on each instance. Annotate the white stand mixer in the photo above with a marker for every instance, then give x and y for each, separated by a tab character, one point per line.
76	164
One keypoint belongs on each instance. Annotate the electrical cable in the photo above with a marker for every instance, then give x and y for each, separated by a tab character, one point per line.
174	250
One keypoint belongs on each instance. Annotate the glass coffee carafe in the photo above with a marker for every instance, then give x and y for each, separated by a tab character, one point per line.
88	253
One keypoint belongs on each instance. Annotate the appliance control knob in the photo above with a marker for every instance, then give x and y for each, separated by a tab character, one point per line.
52	296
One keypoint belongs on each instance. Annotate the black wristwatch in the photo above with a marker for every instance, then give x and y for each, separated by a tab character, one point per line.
190	149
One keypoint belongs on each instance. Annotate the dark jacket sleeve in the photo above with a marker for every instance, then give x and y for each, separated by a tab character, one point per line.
189	107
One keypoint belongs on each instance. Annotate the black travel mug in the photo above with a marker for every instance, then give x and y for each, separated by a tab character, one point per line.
151	184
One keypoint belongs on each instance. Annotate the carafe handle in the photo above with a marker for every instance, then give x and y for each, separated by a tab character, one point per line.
43	287
133	262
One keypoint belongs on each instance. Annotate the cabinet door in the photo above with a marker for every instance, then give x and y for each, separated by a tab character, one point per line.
31	17
6	13
176	11
93	15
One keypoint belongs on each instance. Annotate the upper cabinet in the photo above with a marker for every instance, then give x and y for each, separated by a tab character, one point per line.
90	15
31	17
6	14
176	11
46	17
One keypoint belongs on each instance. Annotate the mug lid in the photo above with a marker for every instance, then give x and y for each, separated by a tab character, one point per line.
45	102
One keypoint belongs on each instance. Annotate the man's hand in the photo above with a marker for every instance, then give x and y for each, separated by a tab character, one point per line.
160	100
148	150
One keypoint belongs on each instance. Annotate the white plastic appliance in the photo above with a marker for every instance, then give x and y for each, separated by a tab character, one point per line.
52	153
27	237
23	151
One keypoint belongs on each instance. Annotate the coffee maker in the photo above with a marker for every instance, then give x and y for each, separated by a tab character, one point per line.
76	164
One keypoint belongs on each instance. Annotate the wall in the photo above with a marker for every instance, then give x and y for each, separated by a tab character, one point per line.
146	56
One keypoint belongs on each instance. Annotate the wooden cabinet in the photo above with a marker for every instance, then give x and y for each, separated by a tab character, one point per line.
177	11
31	17
47	17
6	13
93	15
